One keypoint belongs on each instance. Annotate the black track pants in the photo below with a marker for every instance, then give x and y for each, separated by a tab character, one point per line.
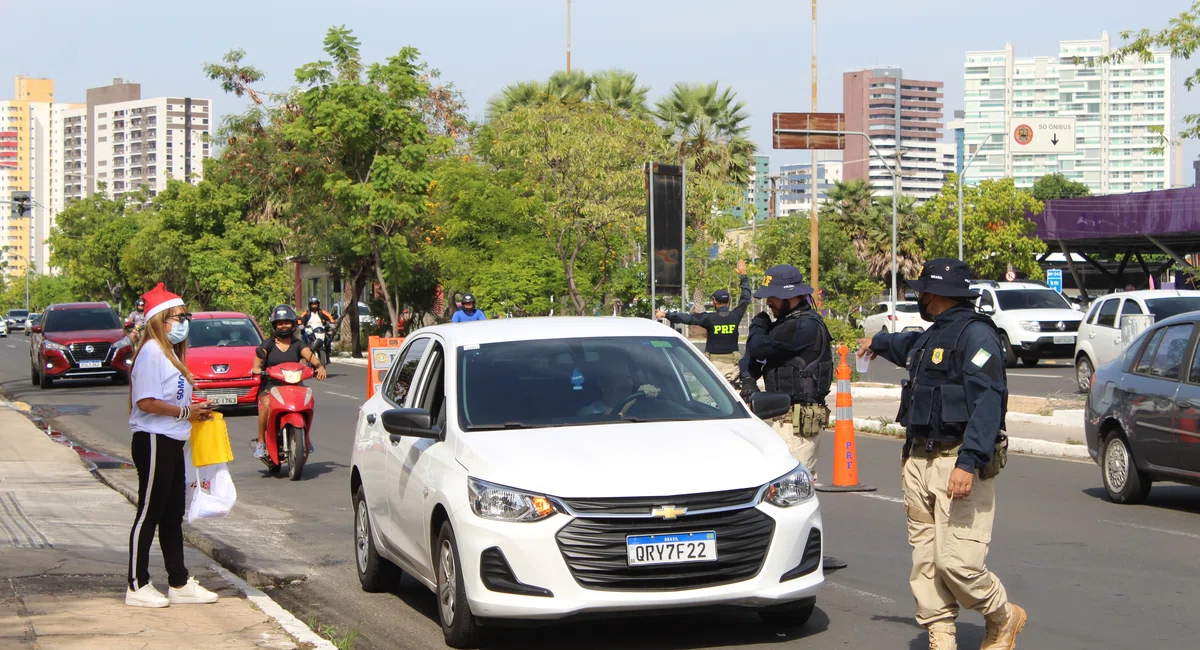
159	462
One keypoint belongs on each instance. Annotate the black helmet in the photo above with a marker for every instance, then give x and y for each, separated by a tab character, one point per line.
141	303
468	299
283	313
314	301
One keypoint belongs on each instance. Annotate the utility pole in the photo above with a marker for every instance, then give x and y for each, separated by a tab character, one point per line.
813	233
568	37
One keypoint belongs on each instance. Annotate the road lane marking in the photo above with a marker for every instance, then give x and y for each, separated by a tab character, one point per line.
866	595
881	497
354	397
1152	529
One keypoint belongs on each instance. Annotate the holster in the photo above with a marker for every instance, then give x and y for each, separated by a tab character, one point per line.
809	419
999	458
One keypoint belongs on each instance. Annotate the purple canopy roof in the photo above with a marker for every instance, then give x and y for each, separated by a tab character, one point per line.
1118	222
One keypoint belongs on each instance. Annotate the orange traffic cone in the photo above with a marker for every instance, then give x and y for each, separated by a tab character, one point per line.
845	459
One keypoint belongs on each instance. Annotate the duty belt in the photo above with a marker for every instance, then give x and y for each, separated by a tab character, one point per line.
934	448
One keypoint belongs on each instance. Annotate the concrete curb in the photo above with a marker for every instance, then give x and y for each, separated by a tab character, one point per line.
1030	446
290	624
350	361
226	554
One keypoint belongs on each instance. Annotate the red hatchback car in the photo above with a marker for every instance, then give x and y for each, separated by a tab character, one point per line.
220	355
79	340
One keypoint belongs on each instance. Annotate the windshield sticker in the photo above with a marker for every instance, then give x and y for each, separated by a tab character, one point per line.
576	379
473	346
662	344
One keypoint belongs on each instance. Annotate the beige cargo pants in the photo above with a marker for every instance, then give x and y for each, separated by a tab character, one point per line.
727	364
949	539
806	450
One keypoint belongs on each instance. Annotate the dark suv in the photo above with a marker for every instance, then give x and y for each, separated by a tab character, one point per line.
79	340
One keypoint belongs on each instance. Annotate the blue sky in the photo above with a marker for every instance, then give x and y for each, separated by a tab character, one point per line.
760	47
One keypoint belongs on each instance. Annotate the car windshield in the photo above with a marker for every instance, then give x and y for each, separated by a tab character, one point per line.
1167	307
1031	299
223	333
907	307
569	382
17	313
78	320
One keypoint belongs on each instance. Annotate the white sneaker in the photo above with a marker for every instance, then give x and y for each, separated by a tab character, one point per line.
147	596
191	594
260	450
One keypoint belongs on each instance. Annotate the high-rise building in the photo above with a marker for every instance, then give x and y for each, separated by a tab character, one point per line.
22	167
146	142
794	188
759	192
883	103
958	127
67	156
1117	108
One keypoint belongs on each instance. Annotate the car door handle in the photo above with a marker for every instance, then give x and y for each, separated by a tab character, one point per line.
371	419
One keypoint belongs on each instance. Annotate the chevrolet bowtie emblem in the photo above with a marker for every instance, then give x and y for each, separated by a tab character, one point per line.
668	512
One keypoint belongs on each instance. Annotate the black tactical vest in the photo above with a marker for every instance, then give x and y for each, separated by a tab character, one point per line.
808	376
722	332
933	403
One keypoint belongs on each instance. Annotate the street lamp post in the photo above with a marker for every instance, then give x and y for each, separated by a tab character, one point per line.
893	170
960	191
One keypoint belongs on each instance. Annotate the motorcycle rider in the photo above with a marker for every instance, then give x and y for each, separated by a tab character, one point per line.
138	317
468	311
281	347
316	317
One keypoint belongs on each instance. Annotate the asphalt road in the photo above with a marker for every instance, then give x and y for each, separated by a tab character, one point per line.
1092	574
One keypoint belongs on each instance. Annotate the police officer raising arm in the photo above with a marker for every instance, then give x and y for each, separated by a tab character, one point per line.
721	326
952	407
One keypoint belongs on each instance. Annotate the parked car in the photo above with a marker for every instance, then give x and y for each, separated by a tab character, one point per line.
3	328
79	340
16	319
1100	334
30	322
906	317
221	348
1035	322
365	318
488	469
1142	419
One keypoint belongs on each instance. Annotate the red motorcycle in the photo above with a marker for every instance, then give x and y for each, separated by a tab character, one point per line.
289	419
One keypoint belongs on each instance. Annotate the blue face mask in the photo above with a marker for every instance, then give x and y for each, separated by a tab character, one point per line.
179	332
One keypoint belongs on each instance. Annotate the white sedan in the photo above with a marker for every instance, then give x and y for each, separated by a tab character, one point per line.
906	317
543	468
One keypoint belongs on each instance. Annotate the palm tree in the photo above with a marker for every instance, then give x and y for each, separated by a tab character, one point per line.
522	93
868	221
619	89
574	86
707	128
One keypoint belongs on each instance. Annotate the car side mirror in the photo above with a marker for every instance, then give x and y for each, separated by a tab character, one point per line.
987	309
414	423
36	329
770	405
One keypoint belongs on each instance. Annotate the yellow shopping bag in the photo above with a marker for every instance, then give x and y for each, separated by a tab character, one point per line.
210	442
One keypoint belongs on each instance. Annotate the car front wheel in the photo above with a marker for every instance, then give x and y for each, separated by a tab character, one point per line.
1123	481
1083	374
454	613
375	573
1010	356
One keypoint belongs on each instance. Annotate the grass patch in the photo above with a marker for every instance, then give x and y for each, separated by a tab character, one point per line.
340	640
1075	441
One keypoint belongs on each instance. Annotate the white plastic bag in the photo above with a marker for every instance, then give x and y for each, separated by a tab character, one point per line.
212	492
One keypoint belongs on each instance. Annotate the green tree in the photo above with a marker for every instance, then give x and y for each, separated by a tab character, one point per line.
1057	186
44	290
88	242
1182	38
707	127
580	171
867	220
996	231
619	89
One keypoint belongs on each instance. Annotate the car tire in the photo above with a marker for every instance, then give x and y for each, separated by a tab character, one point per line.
44	381
1010	356
454	612
1030	361
790	615
1083	373
33	376
1123	481
375	573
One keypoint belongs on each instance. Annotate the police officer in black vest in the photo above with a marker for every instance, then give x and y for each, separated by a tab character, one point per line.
952	407
796	358
721	345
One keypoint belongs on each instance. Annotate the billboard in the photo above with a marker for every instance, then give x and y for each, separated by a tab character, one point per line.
665	228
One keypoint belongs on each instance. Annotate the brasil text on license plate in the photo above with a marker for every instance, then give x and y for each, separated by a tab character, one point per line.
674	548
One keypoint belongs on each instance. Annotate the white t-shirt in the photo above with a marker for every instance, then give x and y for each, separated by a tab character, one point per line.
314	320
154	376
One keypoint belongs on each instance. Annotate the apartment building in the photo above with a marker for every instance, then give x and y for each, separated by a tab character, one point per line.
1116	107
893	110
794	188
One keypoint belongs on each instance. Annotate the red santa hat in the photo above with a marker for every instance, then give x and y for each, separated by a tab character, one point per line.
159	300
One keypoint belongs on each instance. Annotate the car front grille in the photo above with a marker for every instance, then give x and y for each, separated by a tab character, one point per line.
1051	326
595	551
99	351
209	392
644	505
810	560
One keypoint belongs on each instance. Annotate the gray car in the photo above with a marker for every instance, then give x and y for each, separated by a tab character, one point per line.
1142	421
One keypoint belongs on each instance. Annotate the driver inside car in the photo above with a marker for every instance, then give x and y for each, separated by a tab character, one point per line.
616	387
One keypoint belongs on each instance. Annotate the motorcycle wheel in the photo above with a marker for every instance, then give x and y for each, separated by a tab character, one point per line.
297	452
324	356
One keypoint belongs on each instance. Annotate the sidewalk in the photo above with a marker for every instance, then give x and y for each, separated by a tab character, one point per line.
63	558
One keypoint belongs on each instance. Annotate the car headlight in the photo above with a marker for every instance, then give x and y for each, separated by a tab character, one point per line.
123	343
492	501
51	345
790	489
1031	326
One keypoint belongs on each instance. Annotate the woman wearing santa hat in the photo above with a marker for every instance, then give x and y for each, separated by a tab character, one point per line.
161	416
